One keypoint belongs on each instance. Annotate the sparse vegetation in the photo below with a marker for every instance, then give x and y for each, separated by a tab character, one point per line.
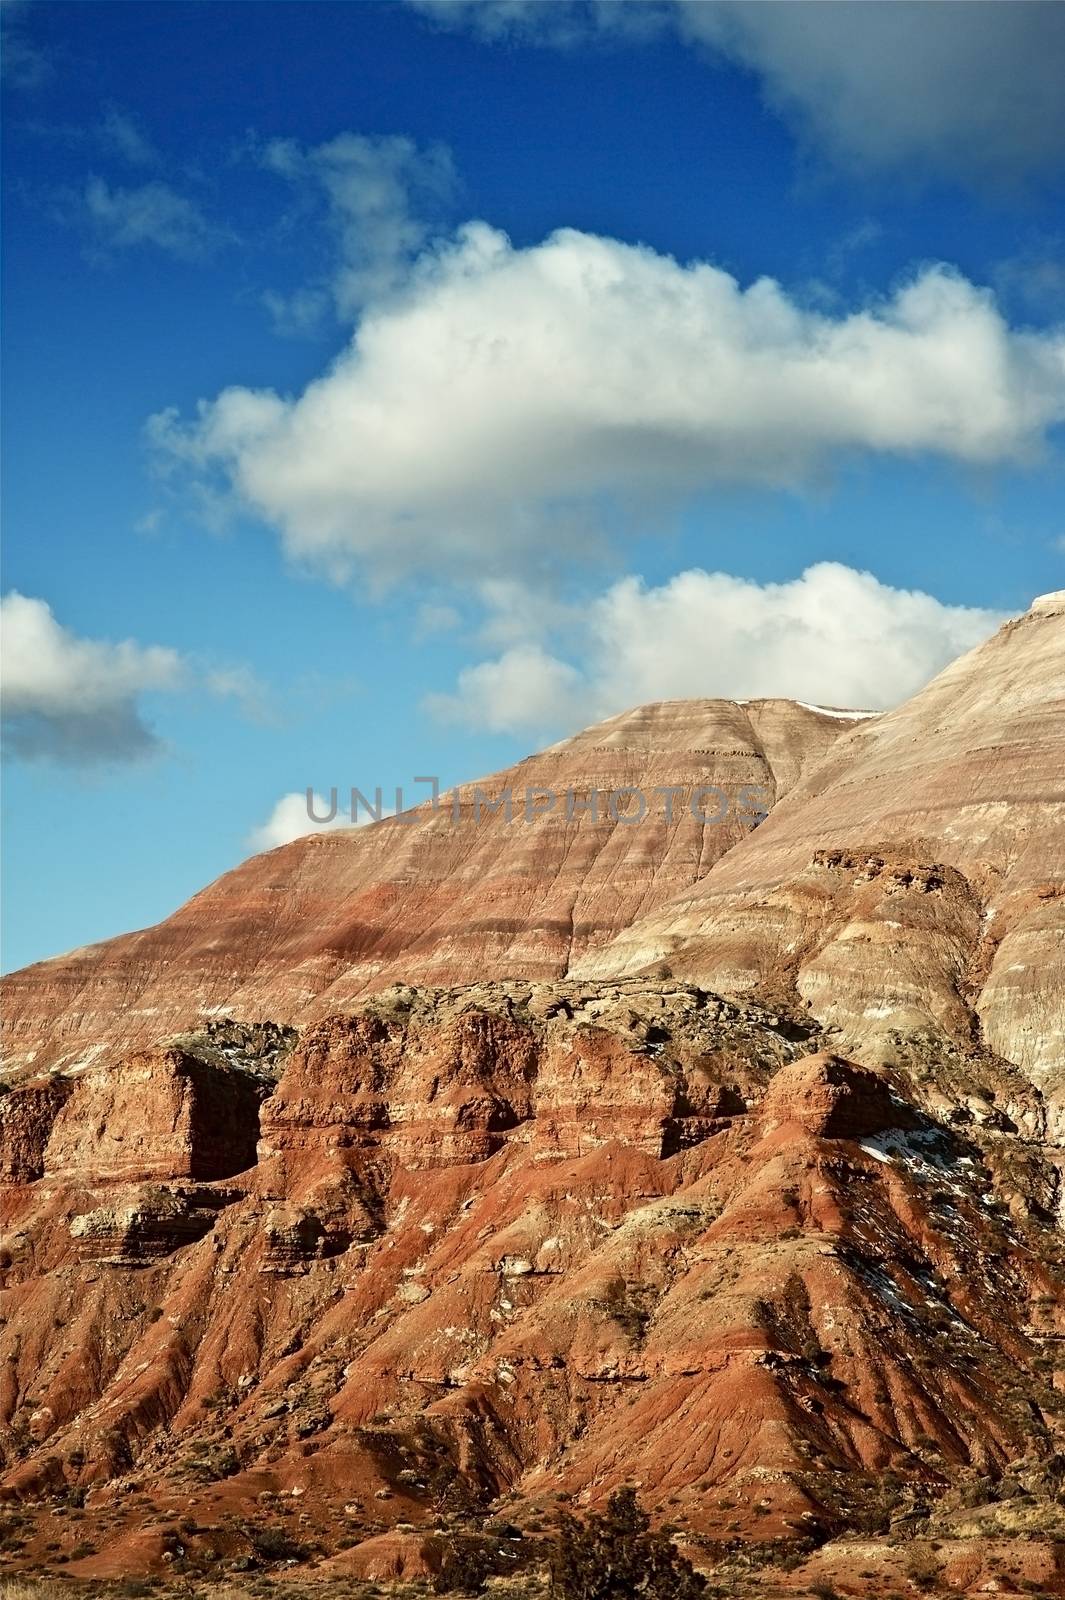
615	1556
465	1564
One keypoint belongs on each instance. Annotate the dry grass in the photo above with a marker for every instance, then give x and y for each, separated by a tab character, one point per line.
28	1589
52	1588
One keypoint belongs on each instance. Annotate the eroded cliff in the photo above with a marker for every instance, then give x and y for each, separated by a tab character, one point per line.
510	1242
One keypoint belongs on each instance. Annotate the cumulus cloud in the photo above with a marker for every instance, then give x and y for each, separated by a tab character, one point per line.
73	699
380	195
524	688
291	819
833	636
960	87
481	422
149	214
76	700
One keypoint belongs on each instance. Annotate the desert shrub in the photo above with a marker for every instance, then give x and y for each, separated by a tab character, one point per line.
465	1564
212	1462
615	1556
271	1543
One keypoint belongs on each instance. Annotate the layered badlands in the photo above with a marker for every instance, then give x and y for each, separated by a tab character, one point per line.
304	930
507	1243
735	1174
913	883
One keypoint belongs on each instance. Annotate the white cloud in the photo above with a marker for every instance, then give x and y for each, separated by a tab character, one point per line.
150	214
833	636
525	688
122	134
959	87
479	423
380	194
75	699
291	819
967	89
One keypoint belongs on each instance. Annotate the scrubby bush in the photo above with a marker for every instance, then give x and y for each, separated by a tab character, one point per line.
615	1556
464	1566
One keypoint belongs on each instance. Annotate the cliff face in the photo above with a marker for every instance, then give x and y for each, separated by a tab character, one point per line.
304	930
912	885
159	1114
515	1240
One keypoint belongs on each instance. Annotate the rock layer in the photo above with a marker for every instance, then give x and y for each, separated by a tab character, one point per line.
514	1241
157	1114
304	930
913	883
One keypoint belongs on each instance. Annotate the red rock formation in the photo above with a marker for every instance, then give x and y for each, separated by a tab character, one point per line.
304	930
519	1240
27	1113
157	1114
835	1100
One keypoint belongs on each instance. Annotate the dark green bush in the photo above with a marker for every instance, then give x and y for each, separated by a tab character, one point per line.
615	1556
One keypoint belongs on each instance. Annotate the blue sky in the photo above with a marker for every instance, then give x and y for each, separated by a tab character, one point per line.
393	388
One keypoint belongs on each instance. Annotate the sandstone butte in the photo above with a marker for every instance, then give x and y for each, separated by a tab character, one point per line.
412	1177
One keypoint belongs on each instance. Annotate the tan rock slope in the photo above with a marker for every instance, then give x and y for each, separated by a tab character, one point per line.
912	885
302	931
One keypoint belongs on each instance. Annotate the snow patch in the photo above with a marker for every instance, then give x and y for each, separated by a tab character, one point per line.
842	716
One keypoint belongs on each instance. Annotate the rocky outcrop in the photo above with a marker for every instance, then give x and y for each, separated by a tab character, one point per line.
27	1114
439	1078
438	894
834	1099
157	1114
152	1221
